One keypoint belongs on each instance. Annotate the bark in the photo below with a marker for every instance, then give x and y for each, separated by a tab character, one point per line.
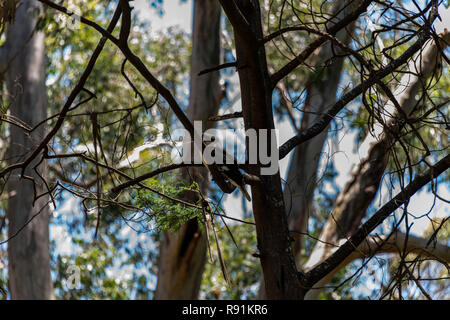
183	253
359	192
360	235
280	275
28	220
302	174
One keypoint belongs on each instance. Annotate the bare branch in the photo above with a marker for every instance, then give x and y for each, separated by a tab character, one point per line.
326	118
152	174
233	115
78	88
219	67
288	68
358	237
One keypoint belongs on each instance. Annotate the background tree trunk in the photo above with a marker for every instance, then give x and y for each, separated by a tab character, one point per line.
321	90
183	254
28	220
360	190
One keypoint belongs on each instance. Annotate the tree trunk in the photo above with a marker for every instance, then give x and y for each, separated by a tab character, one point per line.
301	178
183	254
320	95
274	243
28	219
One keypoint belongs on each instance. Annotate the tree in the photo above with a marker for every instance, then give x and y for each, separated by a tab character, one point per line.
309	47
28	213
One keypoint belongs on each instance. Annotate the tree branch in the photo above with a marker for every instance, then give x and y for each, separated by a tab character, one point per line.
219	67
78	88
233	115
122	44
379	245
293	64
105	33
358	237
152	174
327	117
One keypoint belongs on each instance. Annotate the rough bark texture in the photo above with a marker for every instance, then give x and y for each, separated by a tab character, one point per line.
280	276
183	254
358	194
28	250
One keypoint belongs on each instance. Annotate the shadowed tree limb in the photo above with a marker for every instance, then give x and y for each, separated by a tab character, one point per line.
326	118
394	244
358	237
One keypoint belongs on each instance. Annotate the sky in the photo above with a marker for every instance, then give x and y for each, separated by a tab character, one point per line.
175	13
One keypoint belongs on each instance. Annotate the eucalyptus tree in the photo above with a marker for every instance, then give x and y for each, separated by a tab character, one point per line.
23	67
292	65
68	38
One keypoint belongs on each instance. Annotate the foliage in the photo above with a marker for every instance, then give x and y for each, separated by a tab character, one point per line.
168	214
68	51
